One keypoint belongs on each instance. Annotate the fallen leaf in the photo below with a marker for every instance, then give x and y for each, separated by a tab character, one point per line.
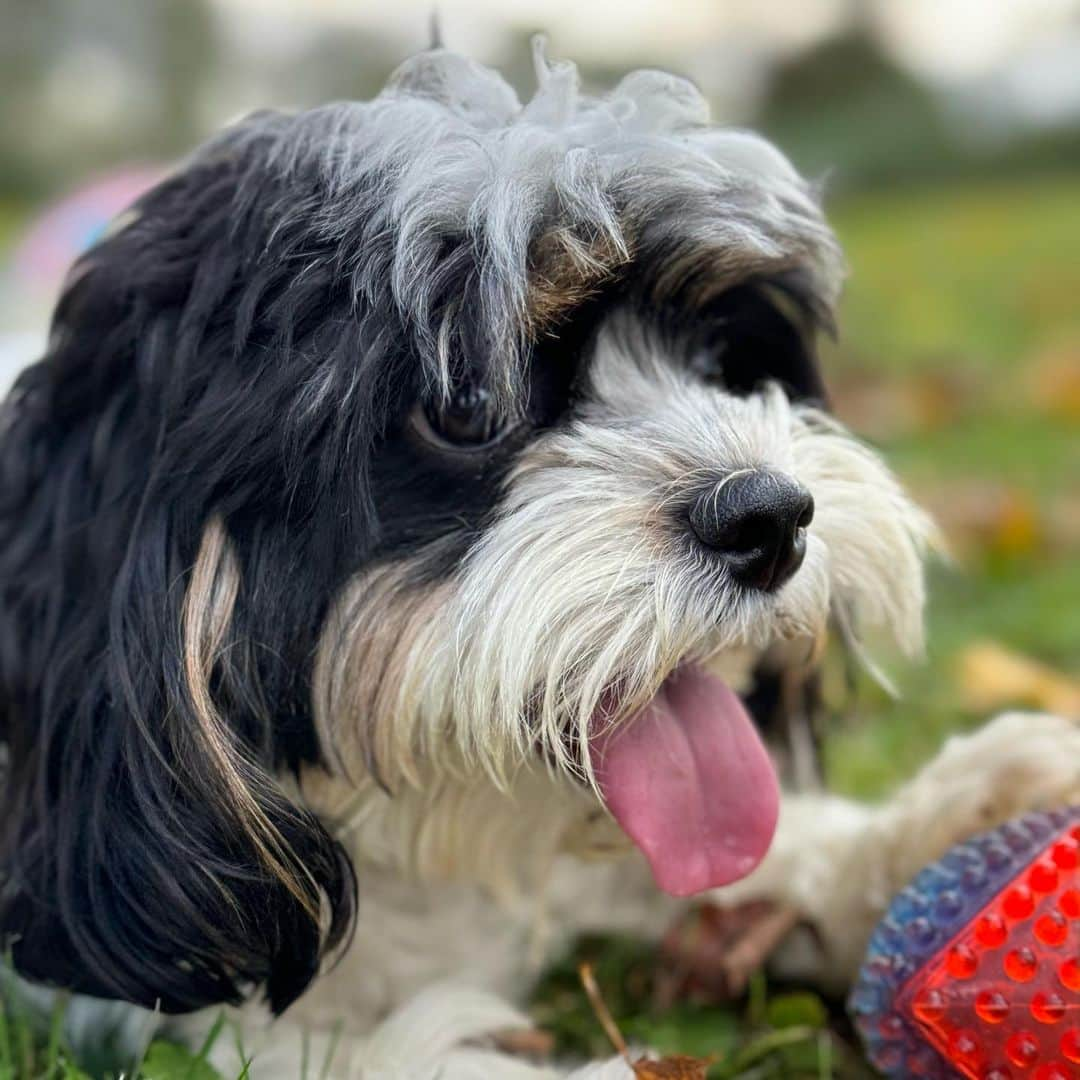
672	1067
887	407
993	677
709	954
525	1042
669	1067
989	519
1055	381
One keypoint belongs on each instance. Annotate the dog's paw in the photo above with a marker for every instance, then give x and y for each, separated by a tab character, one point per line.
838	864
1015	763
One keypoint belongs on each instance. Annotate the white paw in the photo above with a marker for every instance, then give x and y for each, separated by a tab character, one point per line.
1015	763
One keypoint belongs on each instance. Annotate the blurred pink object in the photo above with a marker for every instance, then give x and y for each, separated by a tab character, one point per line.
68	227
31	276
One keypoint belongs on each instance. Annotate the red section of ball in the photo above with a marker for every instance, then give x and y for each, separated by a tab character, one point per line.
1018	902
964	1049
1047	1008
990	931
929	1006
1070	1044
1066	853
1069	903
1021	965
1043	876
1001	999
962	962
1051	928
1069	973
1053	1070
991	1006
1022	1049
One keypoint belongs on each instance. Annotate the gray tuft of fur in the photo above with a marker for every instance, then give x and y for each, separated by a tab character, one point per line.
447	174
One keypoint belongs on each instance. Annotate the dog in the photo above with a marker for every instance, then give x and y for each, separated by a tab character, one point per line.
417	505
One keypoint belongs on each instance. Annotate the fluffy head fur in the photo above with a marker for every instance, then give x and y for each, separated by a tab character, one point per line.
366	442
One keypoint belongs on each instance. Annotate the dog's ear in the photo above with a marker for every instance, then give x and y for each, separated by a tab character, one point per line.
147	849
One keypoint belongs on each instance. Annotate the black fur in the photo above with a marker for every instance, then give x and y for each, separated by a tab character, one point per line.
209	359
219	357
123	872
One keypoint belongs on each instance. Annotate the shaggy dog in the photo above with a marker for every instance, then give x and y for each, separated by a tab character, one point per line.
415	501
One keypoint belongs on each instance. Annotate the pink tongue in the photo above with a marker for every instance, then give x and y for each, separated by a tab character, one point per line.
689	781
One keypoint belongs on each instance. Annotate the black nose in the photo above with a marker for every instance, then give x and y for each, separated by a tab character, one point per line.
757	522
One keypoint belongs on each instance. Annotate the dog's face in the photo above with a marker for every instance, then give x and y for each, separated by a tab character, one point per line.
433	435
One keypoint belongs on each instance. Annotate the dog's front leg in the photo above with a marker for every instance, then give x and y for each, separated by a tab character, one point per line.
445	1032
838	863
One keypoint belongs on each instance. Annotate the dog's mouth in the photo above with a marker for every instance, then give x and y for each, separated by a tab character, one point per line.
690	782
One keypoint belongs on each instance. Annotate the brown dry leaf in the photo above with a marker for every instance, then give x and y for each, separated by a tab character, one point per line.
1055	381
670	1067
1016	529
709	954
988	519
993	677
888	407
1063	524
525	1042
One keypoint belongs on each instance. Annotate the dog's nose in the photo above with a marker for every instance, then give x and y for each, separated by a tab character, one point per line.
757	521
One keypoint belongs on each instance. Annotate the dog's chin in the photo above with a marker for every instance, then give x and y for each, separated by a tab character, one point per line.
688	780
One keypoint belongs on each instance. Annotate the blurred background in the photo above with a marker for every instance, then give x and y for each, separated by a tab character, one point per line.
947	136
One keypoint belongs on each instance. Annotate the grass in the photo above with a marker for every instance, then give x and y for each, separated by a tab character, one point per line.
34	1047
978	284
984	272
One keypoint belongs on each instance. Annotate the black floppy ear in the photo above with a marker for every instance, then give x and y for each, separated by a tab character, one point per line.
147	850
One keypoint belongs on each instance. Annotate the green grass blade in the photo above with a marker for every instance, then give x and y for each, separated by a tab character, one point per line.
150	1031
56	1030
825	1055
7	1066
212	1037
331	1050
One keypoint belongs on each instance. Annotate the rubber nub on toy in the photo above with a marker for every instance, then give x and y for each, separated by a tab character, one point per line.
975	969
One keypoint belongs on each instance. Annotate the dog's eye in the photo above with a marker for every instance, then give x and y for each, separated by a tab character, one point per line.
470	420
708	362
752	335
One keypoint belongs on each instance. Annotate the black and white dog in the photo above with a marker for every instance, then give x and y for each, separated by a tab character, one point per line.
413	498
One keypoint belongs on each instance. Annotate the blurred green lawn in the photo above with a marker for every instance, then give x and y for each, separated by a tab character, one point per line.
956	298
977	285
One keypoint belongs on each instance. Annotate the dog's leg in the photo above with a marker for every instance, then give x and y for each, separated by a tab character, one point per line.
838	863
446	1032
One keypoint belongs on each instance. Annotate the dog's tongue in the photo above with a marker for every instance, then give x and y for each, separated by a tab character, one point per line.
691	784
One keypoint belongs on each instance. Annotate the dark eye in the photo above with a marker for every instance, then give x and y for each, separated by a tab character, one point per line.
470	420
707	363
753	339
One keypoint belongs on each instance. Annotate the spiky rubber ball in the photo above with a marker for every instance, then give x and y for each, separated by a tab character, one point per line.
975	969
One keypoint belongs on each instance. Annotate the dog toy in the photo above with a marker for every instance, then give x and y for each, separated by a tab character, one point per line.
975	969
